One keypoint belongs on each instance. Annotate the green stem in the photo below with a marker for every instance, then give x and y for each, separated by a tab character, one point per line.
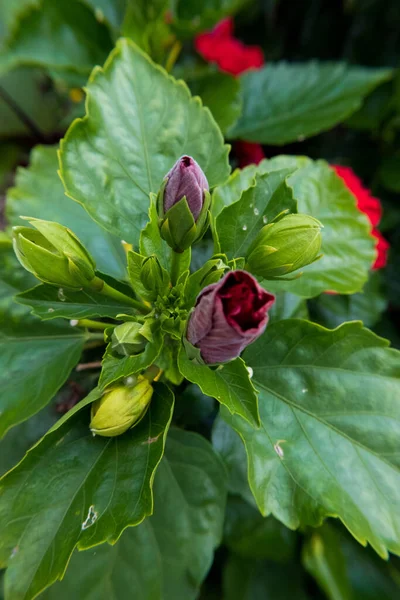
173	56
176	263
89	324
103	288
95	336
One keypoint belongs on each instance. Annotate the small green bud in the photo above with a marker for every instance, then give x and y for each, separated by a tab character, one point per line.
153	277
53	254
120	408
127	339
285	246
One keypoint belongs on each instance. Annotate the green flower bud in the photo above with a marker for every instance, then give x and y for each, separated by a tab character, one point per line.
285	246
128	339
120	408
153	277
53	254
183	204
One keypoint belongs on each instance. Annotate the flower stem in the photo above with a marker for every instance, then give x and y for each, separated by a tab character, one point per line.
103	288
173	56
90	324
176	264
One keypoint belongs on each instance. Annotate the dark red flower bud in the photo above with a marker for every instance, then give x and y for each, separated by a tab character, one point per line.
186	178
228	316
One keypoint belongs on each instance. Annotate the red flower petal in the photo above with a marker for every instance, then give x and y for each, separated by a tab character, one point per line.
248	153
219	46
370	206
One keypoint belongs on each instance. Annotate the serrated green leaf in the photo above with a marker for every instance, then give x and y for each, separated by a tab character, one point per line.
47	303
347	245
238	224
39	193
231	190
169	554
284	102
115	368
57	35
229	384
324	560
250	535
78	490
113	158
328	445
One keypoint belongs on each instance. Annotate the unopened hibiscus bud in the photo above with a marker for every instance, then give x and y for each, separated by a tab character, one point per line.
53	254
183	204
120	408
228	316
285	246
153	277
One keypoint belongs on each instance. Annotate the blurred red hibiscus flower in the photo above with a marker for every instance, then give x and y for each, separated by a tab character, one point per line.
370	206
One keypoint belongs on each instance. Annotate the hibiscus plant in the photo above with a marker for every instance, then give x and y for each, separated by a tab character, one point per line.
196	397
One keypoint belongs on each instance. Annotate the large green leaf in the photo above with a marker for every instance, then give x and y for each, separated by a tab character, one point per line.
262	580
231	191
35	359
238	224
168	555
39	193
229	384
60	35
347	245
11	13
73	489
288	102
139	121
328	445
109	11
47	303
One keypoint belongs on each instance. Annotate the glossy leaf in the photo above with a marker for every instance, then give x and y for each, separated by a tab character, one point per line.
347	245
260	580
238	224
288	306
39	193
48	302
229	384
328	445
250	535
57	35
324	559
288	102
232	189
93	488
113	158
117	367
189	498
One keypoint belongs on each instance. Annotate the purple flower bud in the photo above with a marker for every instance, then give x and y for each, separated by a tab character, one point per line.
228	316
186	179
